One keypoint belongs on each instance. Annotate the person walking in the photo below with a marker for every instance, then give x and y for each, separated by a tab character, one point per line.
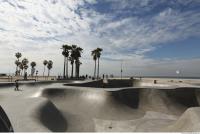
16	85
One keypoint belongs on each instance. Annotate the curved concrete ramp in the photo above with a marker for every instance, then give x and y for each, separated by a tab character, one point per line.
51	117
99	84
34	115
82	106
188	122
57	108
138	109
94	102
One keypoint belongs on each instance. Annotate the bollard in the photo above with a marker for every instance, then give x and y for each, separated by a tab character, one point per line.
155	81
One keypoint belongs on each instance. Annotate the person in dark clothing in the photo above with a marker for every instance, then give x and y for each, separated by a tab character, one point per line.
16	85
25	76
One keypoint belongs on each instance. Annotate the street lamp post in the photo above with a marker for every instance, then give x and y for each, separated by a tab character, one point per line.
121	69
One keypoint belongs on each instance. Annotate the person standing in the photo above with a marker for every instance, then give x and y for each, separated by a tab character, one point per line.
16	85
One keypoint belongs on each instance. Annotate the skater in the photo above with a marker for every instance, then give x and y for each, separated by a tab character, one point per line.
16	85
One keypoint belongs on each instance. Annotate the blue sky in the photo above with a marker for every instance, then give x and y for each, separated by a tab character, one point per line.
152	37
183	49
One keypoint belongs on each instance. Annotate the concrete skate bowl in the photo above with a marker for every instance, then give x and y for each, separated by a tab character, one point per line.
5	125
52	118
112	83
93	109
81	106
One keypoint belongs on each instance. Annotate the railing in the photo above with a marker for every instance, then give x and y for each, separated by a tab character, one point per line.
37	78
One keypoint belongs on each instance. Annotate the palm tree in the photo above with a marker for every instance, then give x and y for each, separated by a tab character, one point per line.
21	67
25	61
17	55
17	63
94	54
77	55
49	66
33	64
99	50
79	63
65	53
45	62
71	59
25	66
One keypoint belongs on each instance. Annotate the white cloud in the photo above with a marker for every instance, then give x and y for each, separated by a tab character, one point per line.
39	28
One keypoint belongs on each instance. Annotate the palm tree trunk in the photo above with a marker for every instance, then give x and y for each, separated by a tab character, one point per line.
76	71
24	73
64	67
94	69
77	67
72	70
16	71
21	72
48	72
98	69
43	70
67	68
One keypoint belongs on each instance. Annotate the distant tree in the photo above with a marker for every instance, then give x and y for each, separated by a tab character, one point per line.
45	62
25	65
94	54
99	50
21	67
74	57
17	55
33	64
65	53
25	61
71	59
78	52
49	66
17	63
79	64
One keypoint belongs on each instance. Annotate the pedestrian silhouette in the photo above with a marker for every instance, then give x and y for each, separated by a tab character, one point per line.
16	85
25	76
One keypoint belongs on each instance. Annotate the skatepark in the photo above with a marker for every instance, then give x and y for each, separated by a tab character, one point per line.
89	106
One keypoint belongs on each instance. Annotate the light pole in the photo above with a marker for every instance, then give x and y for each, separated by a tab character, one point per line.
121	69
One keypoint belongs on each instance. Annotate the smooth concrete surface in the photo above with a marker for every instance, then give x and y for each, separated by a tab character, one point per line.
84	106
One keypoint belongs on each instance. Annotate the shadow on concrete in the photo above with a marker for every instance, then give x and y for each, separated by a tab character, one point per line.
51	117
130	97
5	124
184	96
